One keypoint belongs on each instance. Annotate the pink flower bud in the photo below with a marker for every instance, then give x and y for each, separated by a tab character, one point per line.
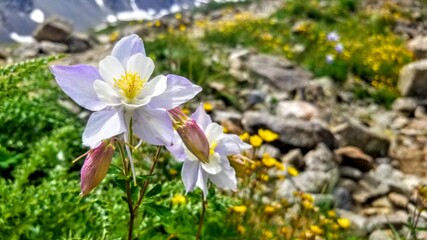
96	166
191	134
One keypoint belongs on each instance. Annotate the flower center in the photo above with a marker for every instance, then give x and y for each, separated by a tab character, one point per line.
212	148
131	85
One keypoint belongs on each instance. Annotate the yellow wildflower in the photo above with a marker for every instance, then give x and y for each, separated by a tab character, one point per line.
157	23
292	171
316	230
178	199
307	196
269	209
186	111
307	205
178	16
279	166
244	136
114	35
239	209
173	171
267	135
182	28
268	161
268	234
208	106
241	229
332	214
265	177
255	141
344	222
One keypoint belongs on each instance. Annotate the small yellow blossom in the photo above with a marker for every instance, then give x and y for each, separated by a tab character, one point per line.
307	196
332	214
292	171
244	136
241	229
268	161
178	16
182	28
186	111
114	35
267	135
255	141
208	106
316	230
344	222
268	234
173	171
265	177
157	23
307	205
269	209
178	199
279	166
239	209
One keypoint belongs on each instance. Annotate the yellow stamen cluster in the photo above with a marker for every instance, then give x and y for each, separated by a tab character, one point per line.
212	148
131	85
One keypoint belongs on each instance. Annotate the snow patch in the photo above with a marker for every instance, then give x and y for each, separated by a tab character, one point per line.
100	3
37	15
111	18
135	15
21	39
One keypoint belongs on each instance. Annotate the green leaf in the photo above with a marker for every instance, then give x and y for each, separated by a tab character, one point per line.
157	210
154	191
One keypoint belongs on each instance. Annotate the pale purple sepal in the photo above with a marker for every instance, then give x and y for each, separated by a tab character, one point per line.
102	125
77	82
153	125
127	47
176	148
190	173
231	144
178	91
201	117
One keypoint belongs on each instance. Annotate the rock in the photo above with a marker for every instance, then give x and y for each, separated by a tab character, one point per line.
420	112
293	132
418	45
294	157
405	105
381	235
316	181
297	109
354	157
399	200
268	149
320	159
348	184
279	72
413	79
350	172
382	202
219	116
342	198
79	42
396	219
4	53
369	188
26	51
54	29
52	47
352	133
373	211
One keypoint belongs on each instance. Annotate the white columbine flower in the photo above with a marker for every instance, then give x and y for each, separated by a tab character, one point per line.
217	168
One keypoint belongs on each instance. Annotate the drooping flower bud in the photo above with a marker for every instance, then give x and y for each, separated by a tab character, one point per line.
191	134
96	166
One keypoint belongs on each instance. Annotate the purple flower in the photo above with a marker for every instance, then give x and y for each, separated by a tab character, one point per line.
339	48
121	90
217	168
333	37
329	58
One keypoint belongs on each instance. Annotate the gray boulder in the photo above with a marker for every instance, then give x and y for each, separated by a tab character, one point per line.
413	79
54	29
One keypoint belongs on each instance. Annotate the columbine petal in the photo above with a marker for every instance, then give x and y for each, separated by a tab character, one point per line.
154	88
213	132
177	148
77	82
226	179
153	125
140	64
102	125
106	93
190	174
96	167
214	164
202	182
110	68
231	144
179	90
201	117
127	47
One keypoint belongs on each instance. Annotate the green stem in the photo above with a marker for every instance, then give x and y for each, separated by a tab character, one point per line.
144	187
202	217
128	192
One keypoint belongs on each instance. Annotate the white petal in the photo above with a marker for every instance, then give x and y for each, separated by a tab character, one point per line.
214	164
102	125
127	47
201	117
214	131
177	148
107	94
190	174
226	179
231	144
190	155
153	126
154	87
140	64
202	182
110	68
